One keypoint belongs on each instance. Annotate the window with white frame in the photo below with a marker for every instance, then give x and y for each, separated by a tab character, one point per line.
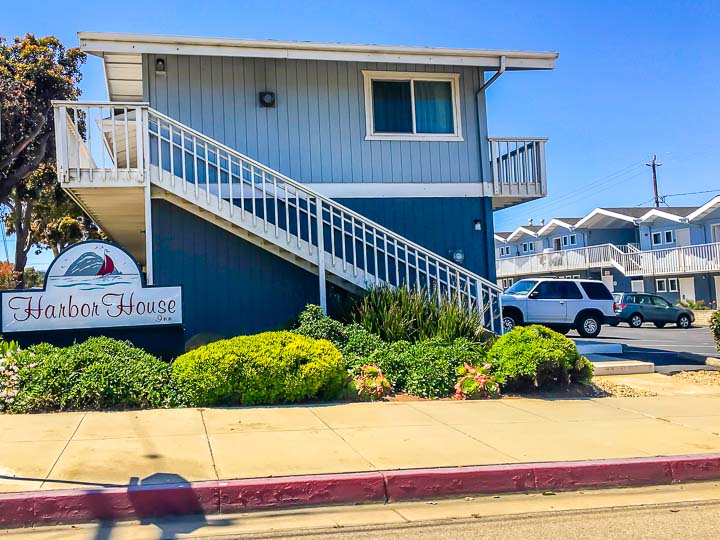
412	106
672	284
669	237
660	285
565	241
573	239
656	238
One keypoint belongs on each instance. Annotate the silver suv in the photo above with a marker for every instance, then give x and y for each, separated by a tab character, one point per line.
560	304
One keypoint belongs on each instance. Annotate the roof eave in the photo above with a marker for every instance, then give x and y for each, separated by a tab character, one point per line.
108	43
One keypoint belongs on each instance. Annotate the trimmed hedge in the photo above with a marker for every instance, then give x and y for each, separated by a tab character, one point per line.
427	368
262	369
715	328
96	374
352	340
537	357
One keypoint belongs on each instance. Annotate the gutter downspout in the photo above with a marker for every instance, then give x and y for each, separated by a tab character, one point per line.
485	172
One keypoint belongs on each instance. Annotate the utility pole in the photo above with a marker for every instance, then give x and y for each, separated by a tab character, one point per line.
654	164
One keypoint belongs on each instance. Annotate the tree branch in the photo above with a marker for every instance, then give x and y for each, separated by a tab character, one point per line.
23	145
24	171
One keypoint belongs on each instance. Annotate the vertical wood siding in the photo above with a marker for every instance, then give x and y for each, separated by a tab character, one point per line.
316	132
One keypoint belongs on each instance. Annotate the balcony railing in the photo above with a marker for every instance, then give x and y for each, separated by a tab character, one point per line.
518	168
626	258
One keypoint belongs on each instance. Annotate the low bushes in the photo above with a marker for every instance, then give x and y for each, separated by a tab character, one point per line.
427	368
715	328
400	314
98	373
536	357
273	367
354	342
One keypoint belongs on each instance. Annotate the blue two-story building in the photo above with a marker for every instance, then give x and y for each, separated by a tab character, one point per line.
673	251
264	175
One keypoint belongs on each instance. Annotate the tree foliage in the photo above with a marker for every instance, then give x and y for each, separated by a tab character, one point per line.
33	72
44	216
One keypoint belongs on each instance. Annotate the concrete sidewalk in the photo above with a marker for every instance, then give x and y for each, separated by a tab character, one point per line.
84	450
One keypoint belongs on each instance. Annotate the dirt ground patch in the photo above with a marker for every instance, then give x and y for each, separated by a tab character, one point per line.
704	377
613	389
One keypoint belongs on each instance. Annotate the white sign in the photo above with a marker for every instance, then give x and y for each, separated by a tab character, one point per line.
91	285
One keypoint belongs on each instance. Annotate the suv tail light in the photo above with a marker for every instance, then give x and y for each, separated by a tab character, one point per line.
619	307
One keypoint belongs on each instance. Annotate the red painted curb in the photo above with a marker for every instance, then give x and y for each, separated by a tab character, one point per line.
144	502
258	493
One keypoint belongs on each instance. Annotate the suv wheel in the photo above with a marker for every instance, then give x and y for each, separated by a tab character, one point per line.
636	320
509	322
683	321
588	326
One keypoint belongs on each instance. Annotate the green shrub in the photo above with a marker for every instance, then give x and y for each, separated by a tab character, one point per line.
352	340
274	367
426	368
402	314
715	328
697	305
535	356
98	373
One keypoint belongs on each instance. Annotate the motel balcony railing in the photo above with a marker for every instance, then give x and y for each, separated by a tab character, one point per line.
628	259
518	167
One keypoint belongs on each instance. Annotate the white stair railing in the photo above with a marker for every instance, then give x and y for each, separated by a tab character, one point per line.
283	211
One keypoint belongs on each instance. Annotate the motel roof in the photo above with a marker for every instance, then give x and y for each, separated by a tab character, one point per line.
122	55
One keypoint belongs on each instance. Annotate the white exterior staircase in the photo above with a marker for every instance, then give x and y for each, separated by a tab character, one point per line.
114	157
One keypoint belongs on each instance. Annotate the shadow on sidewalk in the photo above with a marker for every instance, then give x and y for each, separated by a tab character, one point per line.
180	514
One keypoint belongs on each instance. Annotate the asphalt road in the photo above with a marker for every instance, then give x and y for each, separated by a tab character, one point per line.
694	521
660	345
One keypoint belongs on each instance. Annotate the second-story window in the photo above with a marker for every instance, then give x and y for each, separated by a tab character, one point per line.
656	238
412	106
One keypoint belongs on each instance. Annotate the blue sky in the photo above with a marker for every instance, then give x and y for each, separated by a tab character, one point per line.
633	78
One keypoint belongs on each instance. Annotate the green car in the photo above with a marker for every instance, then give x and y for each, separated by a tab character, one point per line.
638	308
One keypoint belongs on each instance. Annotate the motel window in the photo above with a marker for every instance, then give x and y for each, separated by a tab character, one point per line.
565	240
672	285
670	237
656	238
660	285
412	106
573	239
525	247
532	247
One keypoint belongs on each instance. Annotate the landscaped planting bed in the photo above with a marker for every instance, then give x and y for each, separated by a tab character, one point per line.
425	351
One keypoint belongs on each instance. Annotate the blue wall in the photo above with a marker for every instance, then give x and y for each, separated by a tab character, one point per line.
438	224
596	237
316	132
230	286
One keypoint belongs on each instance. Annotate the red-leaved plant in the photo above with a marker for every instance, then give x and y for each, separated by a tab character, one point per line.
371	383
475	382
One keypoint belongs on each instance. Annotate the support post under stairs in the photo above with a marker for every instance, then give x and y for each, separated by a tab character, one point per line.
321	254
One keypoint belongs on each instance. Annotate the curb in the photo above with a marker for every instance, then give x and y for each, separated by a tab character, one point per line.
699	359
30	509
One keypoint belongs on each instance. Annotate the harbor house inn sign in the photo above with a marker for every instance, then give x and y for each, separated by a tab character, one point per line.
91	285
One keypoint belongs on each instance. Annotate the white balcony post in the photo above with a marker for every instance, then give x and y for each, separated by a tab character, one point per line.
321	253
140	142
61	129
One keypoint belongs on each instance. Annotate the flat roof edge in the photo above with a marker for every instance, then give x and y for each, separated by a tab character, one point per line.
100	43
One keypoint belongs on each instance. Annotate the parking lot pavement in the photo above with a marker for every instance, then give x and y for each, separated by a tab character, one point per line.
660	345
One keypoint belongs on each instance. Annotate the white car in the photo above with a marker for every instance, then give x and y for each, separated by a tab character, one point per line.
560	304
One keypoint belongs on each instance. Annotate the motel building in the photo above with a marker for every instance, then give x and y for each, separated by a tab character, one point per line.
250	178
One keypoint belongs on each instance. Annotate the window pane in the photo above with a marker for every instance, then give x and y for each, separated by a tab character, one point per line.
569	291
392	110
596	291
433	107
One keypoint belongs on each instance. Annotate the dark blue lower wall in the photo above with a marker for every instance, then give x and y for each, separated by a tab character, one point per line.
230	286
438	224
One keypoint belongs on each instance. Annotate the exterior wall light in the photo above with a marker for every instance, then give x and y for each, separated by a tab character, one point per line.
267	99
457	256
160	65
477	224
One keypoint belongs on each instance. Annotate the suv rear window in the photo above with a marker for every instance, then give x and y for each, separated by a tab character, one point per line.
557	290
596	291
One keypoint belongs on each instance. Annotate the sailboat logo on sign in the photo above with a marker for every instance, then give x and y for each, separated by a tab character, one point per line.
91	285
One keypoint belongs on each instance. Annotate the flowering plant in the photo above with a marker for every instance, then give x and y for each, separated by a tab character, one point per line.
475	382
371	383
9	377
